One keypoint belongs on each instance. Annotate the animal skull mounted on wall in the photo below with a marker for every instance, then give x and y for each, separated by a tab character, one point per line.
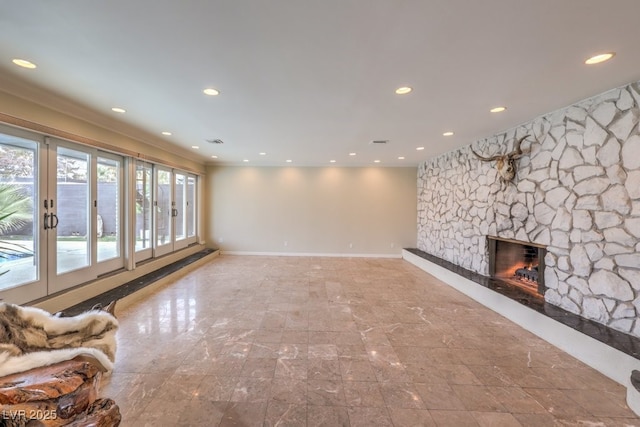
505	163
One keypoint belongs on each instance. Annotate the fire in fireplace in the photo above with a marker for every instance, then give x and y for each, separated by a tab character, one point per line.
528	273
517	263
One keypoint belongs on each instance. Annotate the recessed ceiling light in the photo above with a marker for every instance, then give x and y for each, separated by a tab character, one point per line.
119	110
214	157
166	133
403	90
24	63
289	161
420	148
447	133
376	161
263	154
211	91
498	109
600	58
195	147
332	161
246	160
401	158
352	154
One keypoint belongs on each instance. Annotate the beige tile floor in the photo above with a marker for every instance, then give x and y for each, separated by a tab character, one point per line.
288	341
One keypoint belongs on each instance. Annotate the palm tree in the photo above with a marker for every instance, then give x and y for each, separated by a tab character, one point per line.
15	211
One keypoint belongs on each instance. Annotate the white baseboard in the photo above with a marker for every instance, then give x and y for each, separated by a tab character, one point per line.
311	254
603	358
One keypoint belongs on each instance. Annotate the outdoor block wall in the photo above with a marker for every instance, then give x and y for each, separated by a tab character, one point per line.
577	192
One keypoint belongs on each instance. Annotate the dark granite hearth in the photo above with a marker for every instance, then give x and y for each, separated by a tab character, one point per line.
616	339
135	285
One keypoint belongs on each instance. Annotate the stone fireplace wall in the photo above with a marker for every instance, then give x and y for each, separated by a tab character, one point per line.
577	192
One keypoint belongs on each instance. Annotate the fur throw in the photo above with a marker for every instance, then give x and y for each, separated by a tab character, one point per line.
31	337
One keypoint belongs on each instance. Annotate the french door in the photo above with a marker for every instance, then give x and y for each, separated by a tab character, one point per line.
83	214
174	209
61	216
164	210
62	213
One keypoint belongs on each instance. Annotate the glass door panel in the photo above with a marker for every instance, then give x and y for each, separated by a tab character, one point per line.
191	206
108	223
71	216
163	211
180	205
20	251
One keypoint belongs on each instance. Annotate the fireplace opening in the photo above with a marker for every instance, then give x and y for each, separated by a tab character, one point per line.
519	264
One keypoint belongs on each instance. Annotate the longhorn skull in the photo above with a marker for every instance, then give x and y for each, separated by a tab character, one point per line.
505	163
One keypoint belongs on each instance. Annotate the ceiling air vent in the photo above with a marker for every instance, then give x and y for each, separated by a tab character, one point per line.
379	141
215	141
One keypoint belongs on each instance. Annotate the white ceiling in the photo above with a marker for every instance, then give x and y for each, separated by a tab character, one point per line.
312	80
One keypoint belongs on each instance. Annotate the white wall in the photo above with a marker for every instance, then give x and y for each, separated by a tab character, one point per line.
313	210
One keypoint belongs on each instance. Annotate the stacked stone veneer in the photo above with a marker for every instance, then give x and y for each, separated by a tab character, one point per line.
577	192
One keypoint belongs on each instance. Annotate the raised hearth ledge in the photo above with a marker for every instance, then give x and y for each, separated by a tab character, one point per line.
611	362
85	291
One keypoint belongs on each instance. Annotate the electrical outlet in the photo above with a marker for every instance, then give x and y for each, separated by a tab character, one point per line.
220	240
286	243
351	245
393	245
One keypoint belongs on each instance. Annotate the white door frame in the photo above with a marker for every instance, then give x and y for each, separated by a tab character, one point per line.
25	292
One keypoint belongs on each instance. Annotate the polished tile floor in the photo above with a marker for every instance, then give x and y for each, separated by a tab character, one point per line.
295	341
